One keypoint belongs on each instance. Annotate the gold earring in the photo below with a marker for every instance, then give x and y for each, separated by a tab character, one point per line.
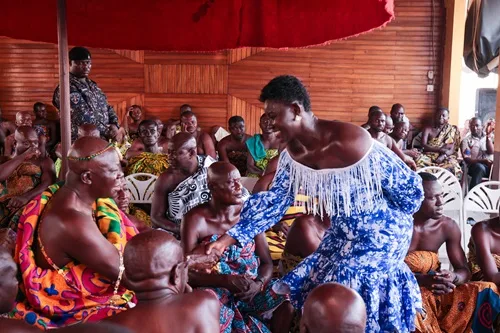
298	118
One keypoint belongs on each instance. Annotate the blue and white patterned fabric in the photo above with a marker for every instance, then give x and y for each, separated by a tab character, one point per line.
370	204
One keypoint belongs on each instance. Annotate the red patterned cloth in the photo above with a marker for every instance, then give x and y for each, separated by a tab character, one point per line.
202	25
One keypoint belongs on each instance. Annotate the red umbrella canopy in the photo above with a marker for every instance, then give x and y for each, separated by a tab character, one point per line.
195	25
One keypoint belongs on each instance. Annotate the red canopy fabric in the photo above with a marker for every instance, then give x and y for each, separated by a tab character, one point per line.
195	25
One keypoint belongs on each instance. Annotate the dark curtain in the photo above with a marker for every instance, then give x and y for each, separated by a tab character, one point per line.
482	35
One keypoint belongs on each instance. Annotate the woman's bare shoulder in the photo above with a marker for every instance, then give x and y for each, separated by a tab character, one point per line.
345	138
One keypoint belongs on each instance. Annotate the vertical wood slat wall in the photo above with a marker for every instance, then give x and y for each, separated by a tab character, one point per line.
344	78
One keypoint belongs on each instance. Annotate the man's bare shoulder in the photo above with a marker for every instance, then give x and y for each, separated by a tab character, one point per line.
482	229
197	214
169	178
198	301
62	215
447	222
224	142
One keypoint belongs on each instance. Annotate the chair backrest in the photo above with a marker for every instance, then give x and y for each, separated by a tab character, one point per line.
446	178
483	201
417	141
141	187
249	183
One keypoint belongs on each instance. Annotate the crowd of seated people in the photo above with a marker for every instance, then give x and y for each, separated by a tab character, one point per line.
85	254
441	144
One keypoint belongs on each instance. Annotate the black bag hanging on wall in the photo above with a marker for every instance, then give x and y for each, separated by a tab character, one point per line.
482	36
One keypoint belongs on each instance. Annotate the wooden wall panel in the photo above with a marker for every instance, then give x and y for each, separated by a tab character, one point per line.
249	112
29	73
210	109
344	78
186	79
174	58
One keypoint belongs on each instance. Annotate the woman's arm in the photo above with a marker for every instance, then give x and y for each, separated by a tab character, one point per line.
401	186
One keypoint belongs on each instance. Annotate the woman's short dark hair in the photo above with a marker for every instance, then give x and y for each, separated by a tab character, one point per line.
287	89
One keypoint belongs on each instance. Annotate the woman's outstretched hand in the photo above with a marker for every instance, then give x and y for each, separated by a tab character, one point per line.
220	245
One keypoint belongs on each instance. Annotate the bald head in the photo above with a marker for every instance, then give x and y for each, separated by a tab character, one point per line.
333	308
8	281
224	182
219	171
183	140
149	259
94	166
23	118
88	130
88	146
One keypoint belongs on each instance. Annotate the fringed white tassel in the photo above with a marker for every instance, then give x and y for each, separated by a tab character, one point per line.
348	190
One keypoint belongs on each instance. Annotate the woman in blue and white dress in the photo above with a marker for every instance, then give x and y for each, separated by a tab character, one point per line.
366	190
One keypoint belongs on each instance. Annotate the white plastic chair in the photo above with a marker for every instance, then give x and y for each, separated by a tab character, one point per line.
417	141
141	187
452	207
249	183
446	178
481	203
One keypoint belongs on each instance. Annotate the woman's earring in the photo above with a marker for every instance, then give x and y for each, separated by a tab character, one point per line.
298	118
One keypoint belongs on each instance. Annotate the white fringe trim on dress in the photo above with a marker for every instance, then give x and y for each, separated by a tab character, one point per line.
329	191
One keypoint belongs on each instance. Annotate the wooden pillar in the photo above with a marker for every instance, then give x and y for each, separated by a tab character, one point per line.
453	53
496	164
62	36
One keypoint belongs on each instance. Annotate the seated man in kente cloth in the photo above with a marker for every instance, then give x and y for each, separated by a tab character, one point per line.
8	291
449	302
70	244
333	308
161	289
242	277
147	156
232	148
262	148
182	187
440	143
26	175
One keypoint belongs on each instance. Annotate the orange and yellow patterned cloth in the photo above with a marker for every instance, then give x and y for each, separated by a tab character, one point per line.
463	310
25	177
448	135
147	162
74	293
